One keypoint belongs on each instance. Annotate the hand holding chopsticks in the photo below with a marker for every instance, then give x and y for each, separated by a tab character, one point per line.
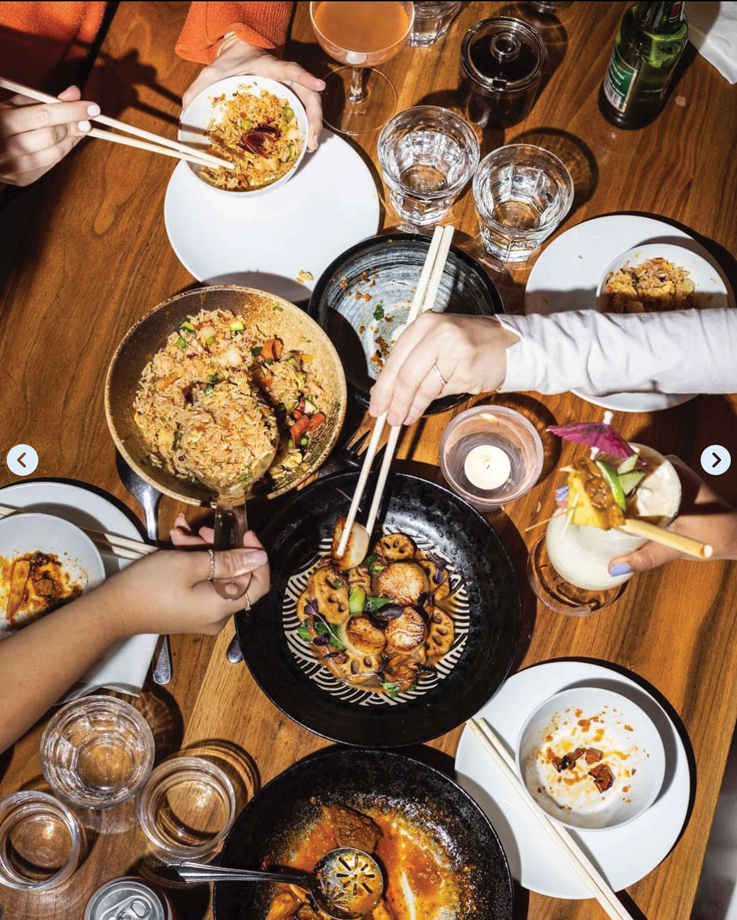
154	143
424	299
579	862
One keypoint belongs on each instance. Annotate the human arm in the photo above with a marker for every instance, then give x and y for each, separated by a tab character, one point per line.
166	592
234	38
688	351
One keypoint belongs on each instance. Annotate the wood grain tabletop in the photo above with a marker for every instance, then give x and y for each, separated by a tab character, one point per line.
95	258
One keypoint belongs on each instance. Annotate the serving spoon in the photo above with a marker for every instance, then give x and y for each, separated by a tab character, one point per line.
231	524
346	884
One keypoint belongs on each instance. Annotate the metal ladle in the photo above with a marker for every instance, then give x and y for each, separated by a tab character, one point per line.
346	884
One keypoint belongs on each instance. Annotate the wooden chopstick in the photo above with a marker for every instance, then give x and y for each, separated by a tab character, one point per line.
368	458
426	304
111	543
185	152
582	865
667	538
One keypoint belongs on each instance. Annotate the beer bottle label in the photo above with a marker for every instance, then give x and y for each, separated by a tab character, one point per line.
619	81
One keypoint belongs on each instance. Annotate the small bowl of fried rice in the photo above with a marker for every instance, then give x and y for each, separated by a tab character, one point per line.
257	124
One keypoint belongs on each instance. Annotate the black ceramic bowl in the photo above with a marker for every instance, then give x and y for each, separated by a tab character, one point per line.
291	804
386	269
487	616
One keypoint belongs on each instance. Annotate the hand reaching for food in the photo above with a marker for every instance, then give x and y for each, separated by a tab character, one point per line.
34	137
440	354
240	58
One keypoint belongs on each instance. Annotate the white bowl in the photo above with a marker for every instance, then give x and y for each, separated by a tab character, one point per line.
200	112
625	735
28	532
710	292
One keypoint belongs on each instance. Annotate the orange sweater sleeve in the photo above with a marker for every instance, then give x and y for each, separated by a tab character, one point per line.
264	24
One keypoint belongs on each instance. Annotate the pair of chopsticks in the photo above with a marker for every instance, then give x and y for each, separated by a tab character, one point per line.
111	543
424	299
162	145
582	865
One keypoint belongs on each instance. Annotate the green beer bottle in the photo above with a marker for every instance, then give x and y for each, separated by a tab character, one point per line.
650	40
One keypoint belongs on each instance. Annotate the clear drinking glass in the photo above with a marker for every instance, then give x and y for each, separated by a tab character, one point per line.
427	156
432	20
187	807
360	34
522	193
41	841
97	752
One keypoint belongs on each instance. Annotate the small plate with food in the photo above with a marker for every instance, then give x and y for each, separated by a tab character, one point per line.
45	562
257	124
573	270
394	644
440	857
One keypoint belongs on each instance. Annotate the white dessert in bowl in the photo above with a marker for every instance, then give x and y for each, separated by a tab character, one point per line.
591	758
581	553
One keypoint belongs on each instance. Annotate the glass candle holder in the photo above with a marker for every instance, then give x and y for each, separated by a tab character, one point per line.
427	156
491	455
433	18
187	807
97	752
522	194
41	842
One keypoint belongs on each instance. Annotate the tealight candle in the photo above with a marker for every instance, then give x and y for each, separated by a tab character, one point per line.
487	467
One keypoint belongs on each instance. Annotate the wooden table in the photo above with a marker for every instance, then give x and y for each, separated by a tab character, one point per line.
96	258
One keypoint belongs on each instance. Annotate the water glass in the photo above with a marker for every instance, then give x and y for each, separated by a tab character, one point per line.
432	20
187	807
522	193
41	842
427	156
97	752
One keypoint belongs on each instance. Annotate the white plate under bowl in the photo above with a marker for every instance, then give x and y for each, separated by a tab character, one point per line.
37	532
330	204
567	274
591	717
711	290
623	854
203	109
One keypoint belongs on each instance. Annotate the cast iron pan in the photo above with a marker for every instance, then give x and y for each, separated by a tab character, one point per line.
430	514
396	260
291	803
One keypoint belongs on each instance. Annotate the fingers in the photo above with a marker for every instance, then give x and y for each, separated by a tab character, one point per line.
233	564
416	385
431	388
649	556
182	535
26	169
18	119
383	390
313	108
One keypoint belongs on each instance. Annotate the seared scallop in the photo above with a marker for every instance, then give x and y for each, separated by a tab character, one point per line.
403	581
441	634
395	547
366	637
406	632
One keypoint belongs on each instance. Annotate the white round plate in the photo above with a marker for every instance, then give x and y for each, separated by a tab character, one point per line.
266	242
567	274
625	854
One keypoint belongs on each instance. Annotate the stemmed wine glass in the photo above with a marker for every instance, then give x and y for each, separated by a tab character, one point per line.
358	99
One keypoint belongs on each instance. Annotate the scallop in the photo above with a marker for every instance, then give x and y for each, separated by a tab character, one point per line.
406	632
365	637
404	582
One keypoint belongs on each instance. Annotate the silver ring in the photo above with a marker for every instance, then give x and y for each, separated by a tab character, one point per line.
211	576
244	598
442	379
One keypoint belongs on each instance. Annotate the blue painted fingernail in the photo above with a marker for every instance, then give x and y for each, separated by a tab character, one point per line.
620	568
561	492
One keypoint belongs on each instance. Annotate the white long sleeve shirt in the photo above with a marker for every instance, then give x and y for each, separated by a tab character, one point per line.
687	351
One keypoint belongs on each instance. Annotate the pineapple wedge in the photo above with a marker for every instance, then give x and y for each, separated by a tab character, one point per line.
590	500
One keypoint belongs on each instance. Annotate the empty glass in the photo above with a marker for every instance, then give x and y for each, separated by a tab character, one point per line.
97	752
41	842
427	156
522	193
187	807
432	21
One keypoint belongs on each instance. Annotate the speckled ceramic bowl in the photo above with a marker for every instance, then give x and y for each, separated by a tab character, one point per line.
290	806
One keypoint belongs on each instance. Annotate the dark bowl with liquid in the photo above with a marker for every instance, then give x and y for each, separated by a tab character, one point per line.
365	294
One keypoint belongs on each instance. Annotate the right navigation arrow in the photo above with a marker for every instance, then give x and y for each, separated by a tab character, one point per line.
718	459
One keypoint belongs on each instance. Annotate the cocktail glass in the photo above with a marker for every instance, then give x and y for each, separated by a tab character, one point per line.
359	99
